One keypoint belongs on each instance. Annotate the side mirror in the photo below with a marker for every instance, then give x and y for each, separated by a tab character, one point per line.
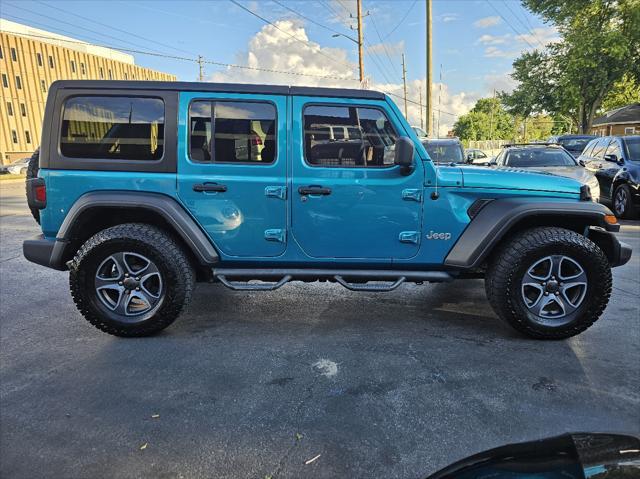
403	155
491	163
611	158
582	163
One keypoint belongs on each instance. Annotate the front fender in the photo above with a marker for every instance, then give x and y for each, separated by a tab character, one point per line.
498	217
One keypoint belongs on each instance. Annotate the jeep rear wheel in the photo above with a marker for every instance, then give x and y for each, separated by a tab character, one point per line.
131	280
549	283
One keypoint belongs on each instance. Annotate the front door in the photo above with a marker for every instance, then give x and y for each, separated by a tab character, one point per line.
348	198
232	170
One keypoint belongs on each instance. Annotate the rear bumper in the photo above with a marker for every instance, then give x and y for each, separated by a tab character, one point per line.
44	252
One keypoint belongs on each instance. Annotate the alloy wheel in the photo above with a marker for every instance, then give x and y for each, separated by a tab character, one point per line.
554	287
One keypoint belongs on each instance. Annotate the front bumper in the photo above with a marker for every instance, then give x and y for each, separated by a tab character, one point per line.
44	252
617	252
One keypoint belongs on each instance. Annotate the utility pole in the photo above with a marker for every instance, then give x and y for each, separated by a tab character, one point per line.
421	112
201	68
429	117
360	41
404	82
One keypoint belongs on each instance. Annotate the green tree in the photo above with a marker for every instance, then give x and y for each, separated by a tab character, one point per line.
487	120
598	48
624	92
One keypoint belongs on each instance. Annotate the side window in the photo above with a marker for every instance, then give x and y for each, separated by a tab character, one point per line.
370	141
589	148
600	148
614	149
242	132
118	128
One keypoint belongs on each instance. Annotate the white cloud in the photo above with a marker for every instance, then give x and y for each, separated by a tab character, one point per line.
499	82
495	52
540	36
448	17
487	22
272	49
493	39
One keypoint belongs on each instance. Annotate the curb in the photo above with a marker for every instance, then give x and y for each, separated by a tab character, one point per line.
12	182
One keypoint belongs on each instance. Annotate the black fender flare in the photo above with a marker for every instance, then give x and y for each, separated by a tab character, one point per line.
168	208
496	218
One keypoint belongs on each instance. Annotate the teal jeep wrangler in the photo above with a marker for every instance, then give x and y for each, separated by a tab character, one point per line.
144	188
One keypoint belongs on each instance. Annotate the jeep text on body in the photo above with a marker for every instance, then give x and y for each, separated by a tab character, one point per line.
146	187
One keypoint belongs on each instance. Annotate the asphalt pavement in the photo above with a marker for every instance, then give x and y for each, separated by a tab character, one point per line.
255	385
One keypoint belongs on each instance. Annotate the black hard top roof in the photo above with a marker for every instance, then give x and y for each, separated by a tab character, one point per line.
220	88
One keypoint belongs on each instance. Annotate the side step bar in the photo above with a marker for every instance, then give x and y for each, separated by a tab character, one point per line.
354	279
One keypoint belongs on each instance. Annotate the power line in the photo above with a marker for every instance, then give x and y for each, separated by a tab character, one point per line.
156	42
333	10
75	25
510	25
506	4
375	27
235	2
402	19
174	57
307	18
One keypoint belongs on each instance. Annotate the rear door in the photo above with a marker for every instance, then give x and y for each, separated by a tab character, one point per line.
348	198
232	170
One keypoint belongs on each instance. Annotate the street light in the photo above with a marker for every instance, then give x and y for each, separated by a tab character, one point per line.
336	35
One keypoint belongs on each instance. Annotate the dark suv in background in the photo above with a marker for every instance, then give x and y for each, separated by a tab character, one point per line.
574	144
615	160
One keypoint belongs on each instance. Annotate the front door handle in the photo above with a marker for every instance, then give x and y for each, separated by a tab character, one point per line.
314	190
209	187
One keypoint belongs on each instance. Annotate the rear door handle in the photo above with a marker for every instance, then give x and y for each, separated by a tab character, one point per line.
209	187
314	190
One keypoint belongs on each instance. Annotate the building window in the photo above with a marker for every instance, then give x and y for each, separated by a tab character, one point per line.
14	136
73	66
18	83
82	70
27	136
101	73
629	130
14	55
113	128
9	108
51	63
110	75
126	76
243	132
39	59
43	86
1	55
5	82
23	109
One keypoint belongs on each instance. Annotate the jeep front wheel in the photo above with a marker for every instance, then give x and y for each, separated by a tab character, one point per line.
549	283
131	280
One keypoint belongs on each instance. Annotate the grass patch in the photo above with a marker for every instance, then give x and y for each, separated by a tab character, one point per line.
9	176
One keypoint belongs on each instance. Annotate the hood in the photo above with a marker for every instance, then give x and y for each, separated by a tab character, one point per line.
580	174
517	179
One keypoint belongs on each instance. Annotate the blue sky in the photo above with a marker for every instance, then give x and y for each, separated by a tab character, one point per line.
474	41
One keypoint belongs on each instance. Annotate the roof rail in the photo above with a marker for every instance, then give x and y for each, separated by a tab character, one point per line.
529	144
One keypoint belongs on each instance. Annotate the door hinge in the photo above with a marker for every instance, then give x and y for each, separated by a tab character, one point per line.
277	235
411	194
409	237
276	192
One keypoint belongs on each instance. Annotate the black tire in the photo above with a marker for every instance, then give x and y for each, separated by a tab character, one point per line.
174	282
507	289
621	201
32	172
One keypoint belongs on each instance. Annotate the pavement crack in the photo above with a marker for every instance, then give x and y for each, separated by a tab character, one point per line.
9	259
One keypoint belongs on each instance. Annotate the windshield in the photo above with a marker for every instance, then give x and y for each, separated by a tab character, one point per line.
444	153
574	144
633	148
538	157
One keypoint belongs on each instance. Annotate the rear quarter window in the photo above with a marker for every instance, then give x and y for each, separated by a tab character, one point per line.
113	128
